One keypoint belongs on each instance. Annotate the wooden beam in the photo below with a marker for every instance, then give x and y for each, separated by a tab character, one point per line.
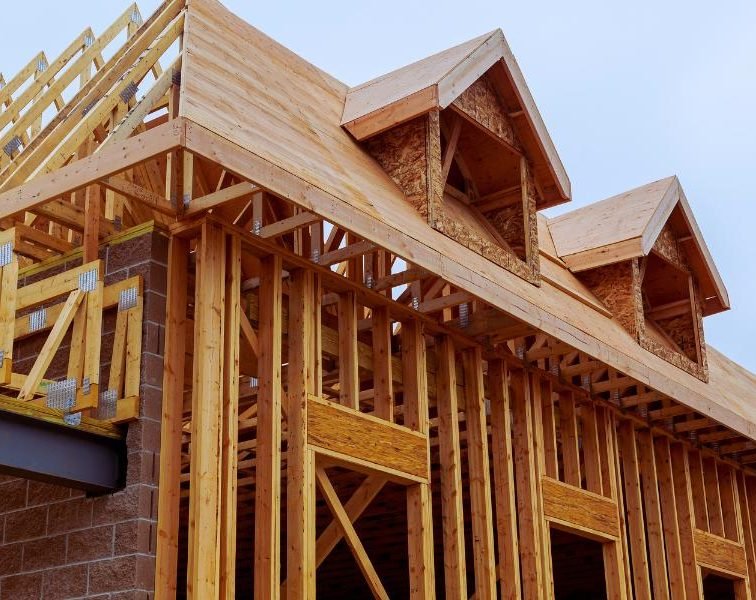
171	429
383	388
634	508
349	379
480	482
419	505
230	415
503	468
535	583
207	413
268	470
455	576
302	373
652	501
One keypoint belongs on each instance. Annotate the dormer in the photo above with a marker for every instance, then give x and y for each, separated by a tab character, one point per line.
459	133
643	255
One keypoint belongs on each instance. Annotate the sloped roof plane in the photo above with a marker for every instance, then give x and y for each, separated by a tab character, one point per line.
626	226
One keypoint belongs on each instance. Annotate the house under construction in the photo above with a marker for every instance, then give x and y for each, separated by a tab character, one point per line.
263	335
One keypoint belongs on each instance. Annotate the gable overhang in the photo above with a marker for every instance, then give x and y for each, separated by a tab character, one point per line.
494	55
713	291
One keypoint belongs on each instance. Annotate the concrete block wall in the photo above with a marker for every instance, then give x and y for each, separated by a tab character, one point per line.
57	543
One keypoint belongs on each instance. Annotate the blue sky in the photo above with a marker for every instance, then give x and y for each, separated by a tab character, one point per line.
630	92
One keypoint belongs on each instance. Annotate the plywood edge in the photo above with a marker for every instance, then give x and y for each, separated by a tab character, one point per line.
393	114
536	121
604	255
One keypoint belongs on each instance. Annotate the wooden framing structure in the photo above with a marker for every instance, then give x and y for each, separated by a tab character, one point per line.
371	334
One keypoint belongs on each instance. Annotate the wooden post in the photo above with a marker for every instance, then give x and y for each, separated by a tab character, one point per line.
349	378
528	483
169	489
207	413
230	428
419	516
503	468
654	529
383	391
455	578
634	508
684	497
671	524
480	481
92	216
268	469
302	374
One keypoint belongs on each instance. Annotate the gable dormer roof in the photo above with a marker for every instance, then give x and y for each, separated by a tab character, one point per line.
437	81
627	226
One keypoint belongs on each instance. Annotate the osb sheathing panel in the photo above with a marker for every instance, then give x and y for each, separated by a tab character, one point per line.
401	152
681	330
510	223
615	285
411	155
667	247
481	104
443	221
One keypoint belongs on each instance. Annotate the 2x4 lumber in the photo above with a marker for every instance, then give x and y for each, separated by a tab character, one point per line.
419	505
346	253
92	217
300	529
289	224
230	417
503	469
634	509
447	405
352	539
349	378
131	382
268	469
480	481
80	173
136	116
670	522
207	414
142	195
10	87
234	192
700	510
8	302
92	345
549	431
383	387
684	499
652	501
47	353
591	448
135	52
713	500
730	508
169	487
83	128
528	484
568	428
746	510
42	80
